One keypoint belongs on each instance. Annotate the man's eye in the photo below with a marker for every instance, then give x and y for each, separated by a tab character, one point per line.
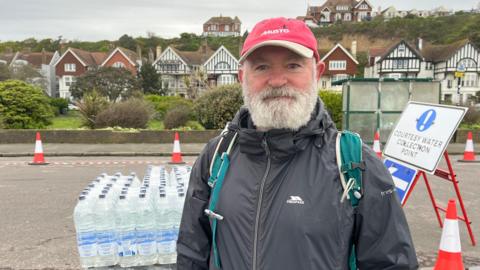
261	67
294	66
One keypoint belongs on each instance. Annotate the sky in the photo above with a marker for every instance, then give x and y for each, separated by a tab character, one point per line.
93	20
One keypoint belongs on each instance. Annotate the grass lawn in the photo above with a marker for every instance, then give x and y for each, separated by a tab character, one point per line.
72	121
69	121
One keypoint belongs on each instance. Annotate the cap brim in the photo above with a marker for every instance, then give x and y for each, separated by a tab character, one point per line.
295	47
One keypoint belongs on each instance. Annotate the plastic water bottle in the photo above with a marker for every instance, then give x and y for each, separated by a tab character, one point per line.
105	232
146	245
85	227
125	219
166	243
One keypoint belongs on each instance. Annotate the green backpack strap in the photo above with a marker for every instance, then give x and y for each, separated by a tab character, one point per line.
350	165
218	169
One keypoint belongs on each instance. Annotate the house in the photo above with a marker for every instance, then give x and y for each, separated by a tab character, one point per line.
400	60
448	59
341	10
43	62
422	60
391	12
123	58
184	70
310	21
441	11
222	27
340	64
73	63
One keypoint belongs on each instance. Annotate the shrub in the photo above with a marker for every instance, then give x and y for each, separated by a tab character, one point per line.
90	106
176	117
472	116
132	113
333	104
60	105
218	106
162	104
23	105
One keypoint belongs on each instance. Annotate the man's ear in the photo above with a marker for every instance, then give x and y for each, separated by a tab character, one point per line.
240	74
320	69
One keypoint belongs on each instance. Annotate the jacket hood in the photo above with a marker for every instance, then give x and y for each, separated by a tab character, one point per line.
282	143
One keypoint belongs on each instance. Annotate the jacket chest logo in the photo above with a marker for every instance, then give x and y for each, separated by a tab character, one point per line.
295	200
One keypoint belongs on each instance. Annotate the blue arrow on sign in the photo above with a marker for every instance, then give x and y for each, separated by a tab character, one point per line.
426	120
402	177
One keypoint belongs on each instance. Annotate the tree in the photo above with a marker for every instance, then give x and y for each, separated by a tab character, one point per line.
112	83
150	80
194	82
90	107
128	42
23	105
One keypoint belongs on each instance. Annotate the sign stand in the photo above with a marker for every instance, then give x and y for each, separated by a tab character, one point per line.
451	177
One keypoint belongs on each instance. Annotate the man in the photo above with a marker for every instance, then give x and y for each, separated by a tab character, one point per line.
280	199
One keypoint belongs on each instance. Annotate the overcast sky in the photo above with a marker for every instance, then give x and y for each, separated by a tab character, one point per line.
94	20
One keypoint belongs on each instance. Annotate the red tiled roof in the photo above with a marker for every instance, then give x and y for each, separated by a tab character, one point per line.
197	57
36	59
90	58
223	20
438	53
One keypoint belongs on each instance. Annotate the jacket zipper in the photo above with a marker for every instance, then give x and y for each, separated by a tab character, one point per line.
259	203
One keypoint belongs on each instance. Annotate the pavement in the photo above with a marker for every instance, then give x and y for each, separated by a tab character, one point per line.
133	149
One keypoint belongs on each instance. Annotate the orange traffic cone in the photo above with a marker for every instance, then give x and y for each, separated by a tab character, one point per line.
376	144
177	153
450	252
38	158
469	154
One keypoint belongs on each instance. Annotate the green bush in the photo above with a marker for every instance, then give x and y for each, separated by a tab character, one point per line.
23	105
132	113
176	117
218	106
60	105
333	104
472	117
90	106
162	104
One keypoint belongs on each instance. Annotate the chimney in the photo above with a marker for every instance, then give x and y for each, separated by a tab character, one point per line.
420	44
44	57
158	51
139	52
354	49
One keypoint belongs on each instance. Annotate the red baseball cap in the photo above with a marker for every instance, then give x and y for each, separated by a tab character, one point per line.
283	32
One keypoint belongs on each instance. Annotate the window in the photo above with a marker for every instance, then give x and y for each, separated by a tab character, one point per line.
338	17
339	77
448	98
337	65
70	67
118	65
69	80
226	79
449	84
222	66
470	80
401	49
227	28
400	63
347	17
324	84
363	6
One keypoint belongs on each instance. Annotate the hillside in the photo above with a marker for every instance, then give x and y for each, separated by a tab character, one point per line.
375	33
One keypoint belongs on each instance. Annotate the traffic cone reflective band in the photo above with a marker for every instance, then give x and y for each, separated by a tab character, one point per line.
38	158
469	154
376	144
450	251
177	153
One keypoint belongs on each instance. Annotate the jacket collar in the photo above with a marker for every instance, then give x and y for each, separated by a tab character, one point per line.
282	143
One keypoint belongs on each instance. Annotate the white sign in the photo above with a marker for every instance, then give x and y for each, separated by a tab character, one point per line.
422	134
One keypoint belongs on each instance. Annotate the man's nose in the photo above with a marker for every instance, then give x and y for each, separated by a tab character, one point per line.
277	78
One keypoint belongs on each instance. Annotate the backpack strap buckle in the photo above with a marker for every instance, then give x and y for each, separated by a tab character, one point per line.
212	214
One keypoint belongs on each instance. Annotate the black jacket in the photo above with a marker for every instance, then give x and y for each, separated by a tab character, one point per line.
281	203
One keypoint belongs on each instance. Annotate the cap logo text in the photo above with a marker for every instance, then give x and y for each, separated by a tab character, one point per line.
275	31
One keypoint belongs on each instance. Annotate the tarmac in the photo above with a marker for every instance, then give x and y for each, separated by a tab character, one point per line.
133	149
22	150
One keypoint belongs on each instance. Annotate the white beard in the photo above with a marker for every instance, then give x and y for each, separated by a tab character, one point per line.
288	113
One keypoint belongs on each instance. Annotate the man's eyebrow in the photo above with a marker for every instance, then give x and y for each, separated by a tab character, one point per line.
296	57
256	60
